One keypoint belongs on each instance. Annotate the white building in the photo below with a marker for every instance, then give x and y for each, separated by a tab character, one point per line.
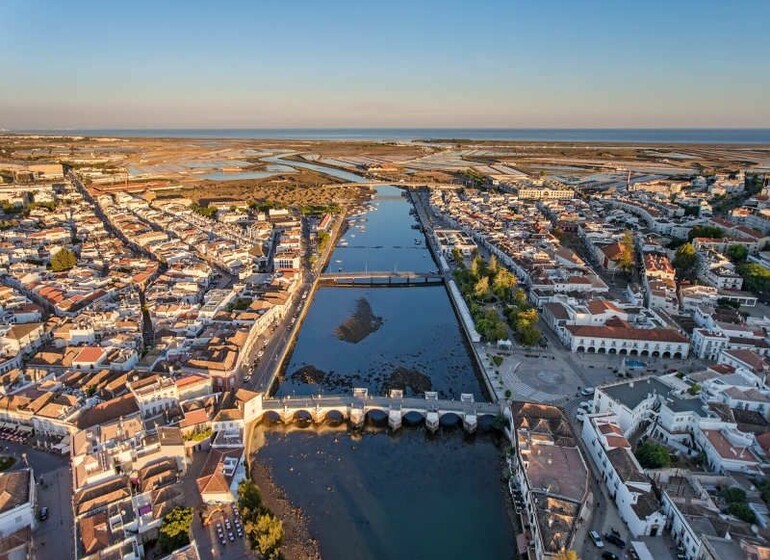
17	508
626	482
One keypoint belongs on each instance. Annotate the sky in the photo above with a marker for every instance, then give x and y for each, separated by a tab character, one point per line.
292	63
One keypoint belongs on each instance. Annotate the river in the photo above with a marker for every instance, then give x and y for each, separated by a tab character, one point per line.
373	494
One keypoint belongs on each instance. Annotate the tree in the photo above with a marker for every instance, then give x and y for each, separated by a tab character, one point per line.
756	277
481	288
502	284
63	260
492	265
712	232
652	455
626	257
742	511
175	530
737	253
567	554
269	535
685	260
477	267
457	257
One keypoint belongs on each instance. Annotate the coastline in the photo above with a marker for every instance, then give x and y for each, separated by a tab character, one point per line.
298	543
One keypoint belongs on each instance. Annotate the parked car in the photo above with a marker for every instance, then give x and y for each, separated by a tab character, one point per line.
597	539
581	416
42	515
607	555
614	539
588	391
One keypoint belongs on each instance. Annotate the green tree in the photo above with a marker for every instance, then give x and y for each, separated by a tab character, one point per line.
737	253
652	455
685	260
481	288
175	530
734	495
712	232
626	257
477	267
63	260
756	277
742	511
502	284
492	265
457	257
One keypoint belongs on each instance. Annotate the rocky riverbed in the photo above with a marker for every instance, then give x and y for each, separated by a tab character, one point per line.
360	324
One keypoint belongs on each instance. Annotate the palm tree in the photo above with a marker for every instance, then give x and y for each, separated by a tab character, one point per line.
567	554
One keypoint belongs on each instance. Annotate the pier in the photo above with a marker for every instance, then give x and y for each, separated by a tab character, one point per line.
355	408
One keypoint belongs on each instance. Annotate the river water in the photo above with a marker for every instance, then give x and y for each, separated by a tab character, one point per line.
373	494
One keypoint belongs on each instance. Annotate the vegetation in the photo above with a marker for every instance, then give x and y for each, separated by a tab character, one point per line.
652	455
6	463
205	211
473	178
737	504
737	253
483	283
264	530
323	241
712	232
685	261
498	360
764	488
63	260
241	304
175	530
567	554
626	257
198	436
694	389
755	278
319	209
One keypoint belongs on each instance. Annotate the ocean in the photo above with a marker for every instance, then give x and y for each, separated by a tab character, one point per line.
620	135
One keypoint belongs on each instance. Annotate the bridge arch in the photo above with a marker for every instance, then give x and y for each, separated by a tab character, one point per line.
413	417
271	418
377	417
450	418
334	417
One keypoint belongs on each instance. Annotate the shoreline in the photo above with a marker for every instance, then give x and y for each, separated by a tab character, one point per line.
298	543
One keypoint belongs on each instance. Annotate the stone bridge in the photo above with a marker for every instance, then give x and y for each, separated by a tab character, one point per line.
355	407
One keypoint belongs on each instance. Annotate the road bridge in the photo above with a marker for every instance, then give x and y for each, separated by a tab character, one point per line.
381	279
355	408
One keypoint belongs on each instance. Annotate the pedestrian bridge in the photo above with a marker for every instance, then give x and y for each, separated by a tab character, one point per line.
381	278
355	408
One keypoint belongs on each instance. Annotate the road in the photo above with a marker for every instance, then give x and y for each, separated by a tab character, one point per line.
275	343
54	490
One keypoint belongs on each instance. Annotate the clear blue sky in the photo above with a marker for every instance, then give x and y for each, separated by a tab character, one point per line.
291	63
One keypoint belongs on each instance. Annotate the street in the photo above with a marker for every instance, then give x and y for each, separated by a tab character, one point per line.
54	490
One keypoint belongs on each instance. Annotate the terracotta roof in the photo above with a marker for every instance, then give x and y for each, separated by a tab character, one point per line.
14	489
627	333
90	355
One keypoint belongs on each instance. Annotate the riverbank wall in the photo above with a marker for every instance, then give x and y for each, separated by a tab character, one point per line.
458	303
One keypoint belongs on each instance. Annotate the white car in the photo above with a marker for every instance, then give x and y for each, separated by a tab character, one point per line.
260	353
587	406
581	416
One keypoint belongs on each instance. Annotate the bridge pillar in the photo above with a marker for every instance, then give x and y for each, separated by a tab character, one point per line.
470	422
432	420
287	415
394	418
318	415
357	417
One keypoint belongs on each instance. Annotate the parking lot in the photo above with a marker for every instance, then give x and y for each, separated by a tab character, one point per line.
224	532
